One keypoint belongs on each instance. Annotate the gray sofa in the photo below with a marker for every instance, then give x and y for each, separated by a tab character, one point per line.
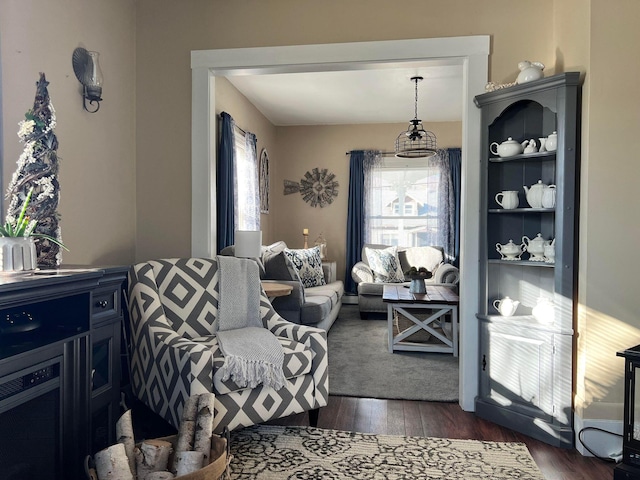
370	291
314	306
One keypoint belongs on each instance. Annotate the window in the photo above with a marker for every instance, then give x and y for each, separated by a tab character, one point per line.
247	198
403	203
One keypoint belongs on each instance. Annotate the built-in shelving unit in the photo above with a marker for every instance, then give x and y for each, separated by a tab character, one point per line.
525	361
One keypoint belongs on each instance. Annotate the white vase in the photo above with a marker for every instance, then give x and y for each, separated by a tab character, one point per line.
17	254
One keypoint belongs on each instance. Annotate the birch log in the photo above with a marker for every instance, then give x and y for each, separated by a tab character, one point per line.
112	463
190	410
188	462
204	425
152	456
124	434
160	476
186	436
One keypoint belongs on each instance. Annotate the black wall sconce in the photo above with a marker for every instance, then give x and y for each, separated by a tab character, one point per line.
87	69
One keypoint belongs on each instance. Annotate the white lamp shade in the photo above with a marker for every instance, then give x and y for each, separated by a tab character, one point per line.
248	243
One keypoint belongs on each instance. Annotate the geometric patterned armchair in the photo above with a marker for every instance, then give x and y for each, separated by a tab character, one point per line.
173	306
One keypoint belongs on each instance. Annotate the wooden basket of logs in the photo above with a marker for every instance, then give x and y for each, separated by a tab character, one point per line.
214	471
195	453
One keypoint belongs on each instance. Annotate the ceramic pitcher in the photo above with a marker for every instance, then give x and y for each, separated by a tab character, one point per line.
507	199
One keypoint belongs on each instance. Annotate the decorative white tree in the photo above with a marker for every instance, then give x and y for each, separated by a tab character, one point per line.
38	169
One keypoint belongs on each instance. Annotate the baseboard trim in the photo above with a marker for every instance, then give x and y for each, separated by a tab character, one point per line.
600	443
350	299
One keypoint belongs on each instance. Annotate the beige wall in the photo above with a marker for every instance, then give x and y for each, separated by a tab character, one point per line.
96	151
167	31
609	300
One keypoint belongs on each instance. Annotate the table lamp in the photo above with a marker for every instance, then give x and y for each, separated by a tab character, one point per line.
248	243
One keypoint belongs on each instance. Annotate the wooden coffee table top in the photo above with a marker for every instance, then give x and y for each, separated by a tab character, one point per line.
435	294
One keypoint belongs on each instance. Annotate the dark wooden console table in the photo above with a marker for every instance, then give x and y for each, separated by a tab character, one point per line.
59	369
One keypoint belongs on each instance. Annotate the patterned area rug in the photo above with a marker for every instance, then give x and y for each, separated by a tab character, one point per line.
269	452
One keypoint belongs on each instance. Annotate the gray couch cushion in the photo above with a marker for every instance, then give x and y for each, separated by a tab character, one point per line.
278	267
372	288
319	301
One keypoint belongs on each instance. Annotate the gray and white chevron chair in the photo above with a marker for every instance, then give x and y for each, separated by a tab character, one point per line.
173	306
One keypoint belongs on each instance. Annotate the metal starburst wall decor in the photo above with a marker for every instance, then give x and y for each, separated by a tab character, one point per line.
318	187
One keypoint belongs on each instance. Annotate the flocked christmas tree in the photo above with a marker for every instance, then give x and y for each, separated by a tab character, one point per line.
38	169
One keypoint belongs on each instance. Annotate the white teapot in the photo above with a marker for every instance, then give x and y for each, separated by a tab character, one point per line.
508	148
509	251
506	306
544	311
534	194
535	247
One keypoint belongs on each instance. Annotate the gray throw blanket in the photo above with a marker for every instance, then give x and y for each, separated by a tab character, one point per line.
252	353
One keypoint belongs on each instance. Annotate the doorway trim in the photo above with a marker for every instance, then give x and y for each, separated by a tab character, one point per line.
471	52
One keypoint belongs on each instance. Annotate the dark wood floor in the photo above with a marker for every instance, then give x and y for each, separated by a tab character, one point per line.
429	419
432	419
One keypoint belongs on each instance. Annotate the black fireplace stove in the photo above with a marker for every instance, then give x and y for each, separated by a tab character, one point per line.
629	469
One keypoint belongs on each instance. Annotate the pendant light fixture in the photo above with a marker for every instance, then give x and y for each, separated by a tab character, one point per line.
416	142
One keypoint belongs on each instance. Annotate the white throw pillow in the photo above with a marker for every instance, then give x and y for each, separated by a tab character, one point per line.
308	264
385	264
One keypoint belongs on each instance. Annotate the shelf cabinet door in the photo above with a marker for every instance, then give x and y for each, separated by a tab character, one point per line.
518	370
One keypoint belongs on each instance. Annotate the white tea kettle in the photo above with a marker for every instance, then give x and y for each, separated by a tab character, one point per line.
506	306
508	148
534	194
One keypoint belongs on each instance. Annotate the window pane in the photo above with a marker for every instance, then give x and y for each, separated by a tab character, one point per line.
247	216
412	191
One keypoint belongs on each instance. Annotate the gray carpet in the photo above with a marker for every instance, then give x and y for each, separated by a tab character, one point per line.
360	364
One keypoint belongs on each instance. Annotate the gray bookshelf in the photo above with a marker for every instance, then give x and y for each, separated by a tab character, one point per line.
525	362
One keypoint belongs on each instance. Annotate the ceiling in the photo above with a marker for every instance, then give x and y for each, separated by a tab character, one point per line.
384	94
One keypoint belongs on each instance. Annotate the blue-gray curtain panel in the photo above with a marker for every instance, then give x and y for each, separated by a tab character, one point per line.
360	165
455	164
225	226
355	217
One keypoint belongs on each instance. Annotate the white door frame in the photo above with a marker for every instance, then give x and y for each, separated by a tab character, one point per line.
471	52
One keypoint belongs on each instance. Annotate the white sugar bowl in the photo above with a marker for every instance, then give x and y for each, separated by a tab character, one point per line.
509	251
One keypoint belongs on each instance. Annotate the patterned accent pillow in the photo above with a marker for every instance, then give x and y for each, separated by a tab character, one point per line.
385	264
308	264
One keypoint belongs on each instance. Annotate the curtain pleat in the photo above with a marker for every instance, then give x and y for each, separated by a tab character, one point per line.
252	204
360	164
455	166
225	225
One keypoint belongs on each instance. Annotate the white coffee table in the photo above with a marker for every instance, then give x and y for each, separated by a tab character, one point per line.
440	300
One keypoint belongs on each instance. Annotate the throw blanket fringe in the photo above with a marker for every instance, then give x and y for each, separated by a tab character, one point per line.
253	354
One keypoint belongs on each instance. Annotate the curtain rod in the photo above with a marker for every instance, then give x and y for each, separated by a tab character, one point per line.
234	124
384	154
